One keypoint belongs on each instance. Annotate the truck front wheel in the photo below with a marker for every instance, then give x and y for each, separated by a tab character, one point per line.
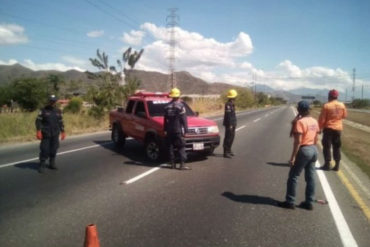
152	150
118	136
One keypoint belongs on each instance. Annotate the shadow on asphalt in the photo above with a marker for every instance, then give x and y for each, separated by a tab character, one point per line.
135	152
253	199
278	164
28	165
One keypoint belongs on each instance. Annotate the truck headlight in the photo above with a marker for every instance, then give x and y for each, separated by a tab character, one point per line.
213	130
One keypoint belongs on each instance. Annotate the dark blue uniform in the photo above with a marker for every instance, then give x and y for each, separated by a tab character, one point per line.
175	125
230	125
50	123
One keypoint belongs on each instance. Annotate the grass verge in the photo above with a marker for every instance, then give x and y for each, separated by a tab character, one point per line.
20	127
359	117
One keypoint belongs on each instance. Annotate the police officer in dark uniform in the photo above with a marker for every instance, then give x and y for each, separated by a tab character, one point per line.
229	123
49	125
175	127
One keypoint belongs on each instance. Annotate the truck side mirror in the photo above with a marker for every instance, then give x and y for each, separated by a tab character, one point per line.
120	109
197	113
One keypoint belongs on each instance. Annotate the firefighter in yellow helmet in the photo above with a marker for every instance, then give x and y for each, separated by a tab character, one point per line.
229	123
175	127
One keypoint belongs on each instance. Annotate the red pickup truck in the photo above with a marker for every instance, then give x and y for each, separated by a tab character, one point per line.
143	120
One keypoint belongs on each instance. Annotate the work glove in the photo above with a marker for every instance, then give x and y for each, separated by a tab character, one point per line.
62	136
39	135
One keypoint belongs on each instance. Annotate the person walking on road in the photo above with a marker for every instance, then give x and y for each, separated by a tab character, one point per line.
230	123
175	127
304	156
49	125
330	122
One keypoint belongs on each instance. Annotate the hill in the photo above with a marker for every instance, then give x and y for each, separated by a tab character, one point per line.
150	81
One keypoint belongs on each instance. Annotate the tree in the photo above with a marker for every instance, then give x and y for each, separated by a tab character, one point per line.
5	95
54	83
109	92
29	93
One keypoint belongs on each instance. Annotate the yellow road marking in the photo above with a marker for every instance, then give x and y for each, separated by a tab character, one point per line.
353	192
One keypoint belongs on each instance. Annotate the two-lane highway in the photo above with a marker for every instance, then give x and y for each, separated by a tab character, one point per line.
220	202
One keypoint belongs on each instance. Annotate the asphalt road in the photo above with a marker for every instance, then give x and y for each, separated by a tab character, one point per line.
220	202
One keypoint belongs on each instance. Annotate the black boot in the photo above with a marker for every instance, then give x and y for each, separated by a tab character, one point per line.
336	167
173	164
227	153
42	166
183	166
52	164
326	166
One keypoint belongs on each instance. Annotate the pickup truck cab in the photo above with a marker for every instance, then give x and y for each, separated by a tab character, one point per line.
143	120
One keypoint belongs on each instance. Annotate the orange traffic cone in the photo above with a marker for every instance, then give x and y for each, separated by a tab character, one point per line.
91	236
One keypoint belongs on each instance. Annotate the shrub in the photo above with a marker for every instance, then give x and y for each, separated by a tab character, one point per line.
97	112
74	106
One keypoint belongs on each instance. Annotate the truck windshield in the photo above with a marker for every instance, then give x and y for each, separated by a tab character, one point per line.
156	108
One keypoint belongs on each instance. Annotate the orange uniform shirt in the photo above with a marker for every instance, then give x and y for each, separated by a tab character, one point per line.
308	128
332	114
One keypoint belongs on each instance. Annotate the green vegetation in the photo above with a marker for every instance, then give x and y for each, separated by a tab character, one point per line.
109	91
74	106
361	103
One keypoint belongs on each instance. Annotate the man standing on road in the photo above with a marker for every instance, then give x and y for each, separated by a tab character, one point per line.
304	156
330	121
229	123
175	127
49	124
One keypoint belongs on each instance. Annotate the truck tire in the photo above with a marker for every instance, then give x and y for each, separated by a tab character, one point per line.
153	149
118	137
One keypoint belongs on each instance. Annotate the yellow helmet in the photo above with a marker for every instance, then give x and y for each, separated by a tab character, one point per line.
175	93
232	94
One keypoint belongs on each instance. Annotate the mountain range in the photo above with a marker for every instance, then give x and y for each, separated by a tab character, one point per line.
155	81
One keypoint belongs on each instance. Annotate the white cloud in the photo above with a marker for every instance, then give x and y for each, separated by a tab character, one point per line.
10	62
49	66
194	53
95	33
11	34
133	38
216	61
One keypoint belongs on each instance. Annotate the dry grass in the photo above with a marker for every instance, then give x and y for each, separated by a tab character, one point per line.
207	106
356	145
359	117
20	127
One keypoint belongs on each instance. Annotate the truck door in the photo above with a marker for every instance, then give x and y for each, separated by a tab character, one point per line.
127	121
139	120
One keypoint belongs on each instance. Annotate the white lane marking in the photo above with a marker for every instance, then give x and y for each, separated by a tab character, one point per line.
241	127
341	223
256	120
61	153
132	180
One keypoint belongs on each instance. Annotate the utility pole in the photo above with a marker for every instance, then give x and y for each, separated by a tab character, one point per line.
362	91
345	100
171	23
354	83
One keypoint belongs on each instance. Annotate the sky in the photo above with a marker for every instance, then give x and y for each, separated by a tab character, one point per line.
284	44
